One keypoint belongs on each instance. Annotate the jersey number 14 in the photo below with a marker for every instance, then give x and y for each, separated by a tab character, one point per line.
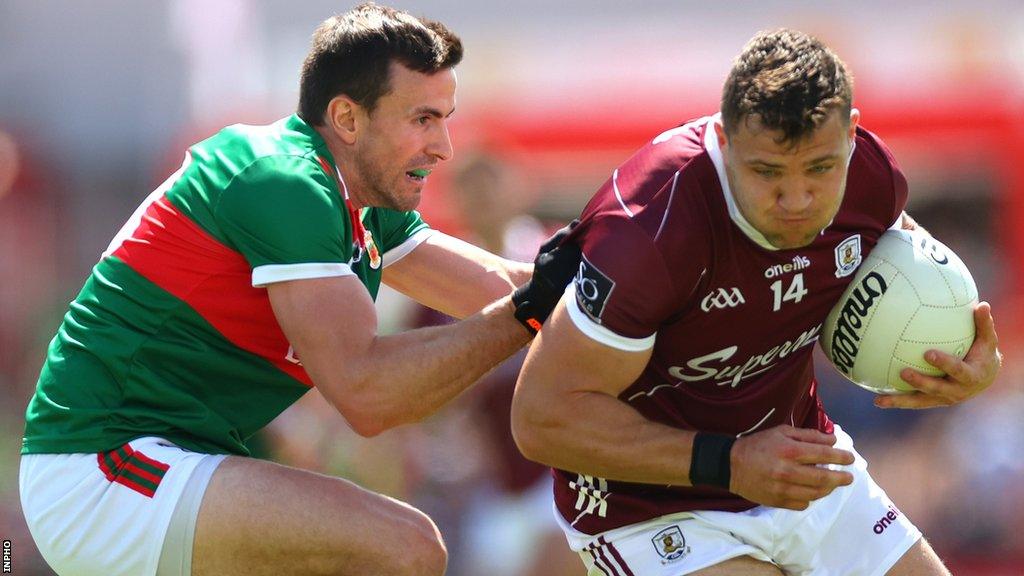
795	293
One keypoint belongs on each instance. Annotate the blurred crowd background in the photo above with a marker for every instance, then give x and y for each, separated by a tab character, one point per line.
99	99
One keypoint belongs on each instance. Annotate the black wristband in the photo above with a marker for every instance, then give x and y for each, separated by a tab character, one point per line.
709	462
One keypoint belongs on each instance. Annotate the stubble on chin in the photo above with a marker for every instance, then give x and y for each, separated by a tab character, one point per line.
411	203
780	242
399	202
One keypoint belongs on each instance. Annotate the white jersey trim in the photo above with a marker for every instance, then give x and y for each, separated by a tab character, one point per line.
671	195
271	273
403	249
599	333
618	195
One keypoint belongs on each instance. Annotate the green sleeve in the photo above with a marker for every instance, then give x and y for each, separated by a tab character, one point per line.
287	219
398	227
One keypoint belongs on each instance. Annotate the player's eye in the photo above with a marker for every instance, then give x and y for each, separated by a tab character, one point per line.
821	168
423	120
766	172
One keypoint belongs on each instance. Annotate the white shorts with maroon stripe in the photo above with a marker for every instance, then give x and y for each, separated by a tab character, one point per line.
108	514
854	531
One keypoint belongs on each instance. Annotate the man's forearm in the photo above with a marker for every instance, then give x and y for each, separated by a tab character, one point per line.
409	376
599	435
518	272
497	277
455	277
567	413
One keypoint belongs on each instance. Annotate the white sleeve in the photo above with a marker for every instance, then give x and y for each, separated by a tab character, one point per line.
403	249
598	332
270	273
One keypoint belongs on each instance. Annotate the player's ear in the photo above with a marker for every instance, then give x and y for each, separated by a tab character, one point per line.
342	117
720	132
854	121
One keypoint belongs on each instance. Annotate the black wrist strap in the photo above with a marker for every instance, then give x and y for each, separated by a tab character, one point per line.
709	462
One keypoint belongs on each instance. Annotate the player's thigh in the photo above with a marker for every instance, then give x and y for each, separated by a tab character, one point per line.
258	518
743	565
919	560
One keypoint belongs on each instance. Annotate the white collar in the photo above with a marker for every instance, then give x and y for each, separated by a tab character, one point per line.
711	145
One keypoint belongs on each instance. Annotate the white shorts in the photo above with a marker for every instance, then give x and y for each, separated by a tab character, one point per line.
854	531
109	514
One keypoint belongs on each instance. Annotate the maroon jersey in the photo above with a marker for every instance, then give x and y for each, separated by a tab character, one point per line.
670	263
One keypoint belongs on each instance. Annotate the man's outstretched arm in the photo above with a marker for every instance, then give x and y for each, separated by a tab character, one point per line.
455	277
378	382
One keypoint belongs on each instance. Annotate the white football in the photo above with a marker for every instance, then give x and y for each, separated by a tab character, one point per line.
910	295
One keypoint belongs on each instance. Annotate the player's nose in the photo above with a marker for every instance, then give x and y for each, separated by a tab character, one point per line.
795	197
441	145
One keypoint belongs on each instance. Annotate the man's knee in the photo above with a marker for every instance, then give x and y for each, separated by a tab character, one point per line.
308	524
422	550
410	545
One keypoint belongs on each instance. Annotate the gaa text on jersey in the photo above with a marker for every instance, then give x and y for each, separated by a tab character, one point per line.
798	263
722	298
712	366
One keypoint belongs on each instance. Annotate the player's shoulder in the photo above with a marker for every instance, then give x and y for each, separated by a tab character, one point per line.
643	248
875	185
610	226
871	154
655	164
658	175
288	149
674	148
277	168
656	201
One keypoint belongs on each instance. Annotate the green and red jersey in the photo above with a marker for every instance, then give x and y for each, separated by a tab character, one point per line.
173	334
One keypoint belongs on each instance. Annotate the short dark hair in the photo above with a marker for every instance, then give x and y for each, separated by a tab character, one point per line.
352	55
789	80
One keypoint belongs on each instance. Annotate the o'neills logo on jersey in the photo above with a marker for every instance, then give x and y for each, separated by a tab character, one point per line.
713	366
799	263
846	337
